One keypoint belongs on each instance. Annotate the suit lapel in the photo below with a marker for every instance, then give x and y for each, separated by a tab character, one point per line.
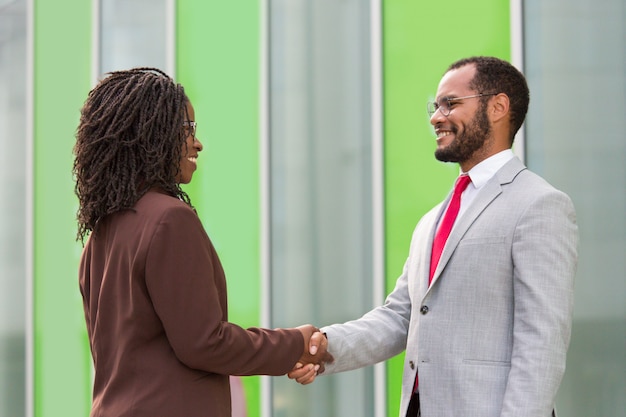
425	249
491	190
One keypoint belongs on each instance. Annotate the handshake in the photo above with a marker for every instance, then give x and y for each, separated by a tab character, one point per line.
314	356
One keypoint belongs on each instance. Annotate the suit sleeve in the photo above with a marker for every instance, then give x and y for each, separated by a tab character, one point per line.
377	336
544	256
186	285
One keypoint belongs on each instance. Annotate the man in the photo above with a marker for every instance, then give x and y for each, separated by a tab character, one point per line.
484	316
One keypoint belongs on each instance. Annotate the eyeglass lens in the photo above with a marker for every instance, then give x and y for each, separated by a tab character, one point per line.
191	128
443	107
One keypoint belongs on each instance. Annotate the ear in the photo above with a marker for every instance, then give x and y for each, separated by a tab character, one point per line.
499	108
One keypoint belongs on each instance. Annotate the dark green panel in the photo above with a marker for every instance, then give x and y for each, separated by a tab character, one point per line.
420	39
61	83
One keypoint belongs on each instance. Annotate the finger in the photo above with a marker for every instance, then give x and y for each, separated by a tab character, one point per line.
307	381
309	377
317	339
300	371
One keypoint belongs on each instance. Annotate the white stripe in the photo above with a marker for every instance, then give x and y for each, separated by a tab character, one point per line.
264	190
170	38
378	236
29	227
517	59
96	41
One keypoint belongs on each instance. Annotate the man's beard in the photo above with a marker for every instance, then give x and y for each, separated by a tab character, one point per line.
471	140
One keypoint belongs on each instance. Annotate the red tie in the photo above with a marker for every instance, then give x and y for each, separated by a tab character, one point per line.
447	223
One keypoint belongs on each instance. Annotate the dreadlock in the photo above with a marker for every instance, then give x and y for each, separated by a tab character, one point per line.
129	139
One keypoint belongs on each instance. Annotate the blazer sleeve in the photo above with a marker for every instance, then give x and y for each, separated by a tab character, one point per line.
545	256
186	284
377	336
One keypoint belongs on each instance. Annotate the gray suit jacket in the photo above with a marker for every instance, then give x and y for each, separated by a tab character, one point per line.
490	335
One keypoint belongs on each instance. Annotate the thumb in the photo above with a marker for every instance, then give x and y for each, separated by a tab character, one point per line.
314	342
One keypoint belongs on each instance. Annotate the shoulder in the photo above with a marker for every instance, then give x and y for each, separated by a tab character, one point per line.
536	187
167	219
155	200
159	211
156	205
534	199
515	176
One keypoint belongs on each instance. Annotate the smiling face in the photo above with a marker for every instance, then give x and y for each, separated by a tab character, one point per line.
191	148
464	136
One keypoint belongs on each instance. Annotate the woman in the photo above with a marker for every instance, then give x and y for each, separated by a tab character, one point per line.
153	288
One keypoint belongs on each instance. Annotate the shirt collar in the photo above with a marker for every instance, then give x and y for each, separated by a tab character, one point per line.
485	170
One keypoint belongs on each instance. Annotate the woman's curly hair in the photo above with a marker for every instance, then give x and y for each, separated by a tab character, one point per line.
129	139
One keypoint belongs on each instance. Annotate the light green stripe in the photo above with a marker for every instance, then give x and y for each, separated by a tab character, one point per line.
61	353
420	40
218	64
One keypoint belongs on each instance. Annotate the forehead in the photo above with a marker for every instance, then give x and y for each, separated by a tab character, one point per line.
190	111
455	83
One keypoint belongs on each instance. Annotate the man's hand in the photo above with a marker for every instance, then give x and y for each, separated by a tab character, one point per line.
314	357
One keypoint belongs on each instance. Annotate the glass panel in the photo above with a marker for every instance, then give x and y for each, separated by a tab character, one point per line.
575	59
321	187
12	207
133	34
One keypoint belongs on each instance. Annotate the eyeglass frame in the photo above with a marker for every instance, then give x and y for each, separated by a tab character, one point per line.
192	125
433	106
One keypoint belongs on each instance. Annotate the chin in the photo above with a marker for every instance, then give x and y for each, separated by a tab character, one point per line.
184	179
444	156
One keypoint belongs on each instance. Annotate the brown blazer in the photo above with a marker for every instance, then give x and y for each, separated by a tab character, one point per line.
155	302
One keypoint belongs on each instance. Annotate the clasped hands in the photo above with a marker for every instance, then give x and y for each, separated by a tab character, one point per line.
314	356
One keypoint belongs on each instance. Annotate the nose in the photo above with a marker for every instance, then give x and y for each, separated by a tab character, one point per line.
437	117
197	144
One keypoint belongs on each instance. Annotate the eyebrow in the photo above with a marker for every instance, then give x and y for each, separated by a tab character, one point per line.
448	97
451	96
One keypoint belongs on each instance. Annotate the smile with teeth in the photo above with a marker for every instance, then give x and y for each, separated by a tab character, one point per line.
443	133
192	159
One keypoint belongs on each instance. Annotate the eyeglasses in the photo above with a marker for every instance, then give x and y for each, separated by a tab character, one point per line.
190	128
444	105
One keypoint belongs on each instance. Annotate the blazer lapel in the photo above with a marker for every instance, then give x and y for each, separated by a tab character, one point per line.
485	196
431	220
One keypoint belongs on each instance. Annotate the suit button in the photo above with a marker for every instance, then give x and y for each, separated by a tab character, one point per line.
412	364
424	310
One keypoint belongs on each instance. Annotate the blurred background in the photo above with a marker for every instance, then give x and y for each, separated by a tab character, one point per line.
317	164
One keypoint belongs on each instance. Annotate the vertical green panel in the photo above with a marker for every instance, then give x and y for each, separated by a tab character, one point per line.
420	40
218	63
61	79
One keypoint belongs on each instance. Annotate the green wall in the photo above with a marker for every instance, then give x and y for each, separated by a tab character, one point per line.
218	63
61	82
420	40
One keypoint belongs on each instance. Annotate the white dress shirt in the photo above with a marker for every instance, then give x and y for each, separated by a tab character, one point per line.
480	174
